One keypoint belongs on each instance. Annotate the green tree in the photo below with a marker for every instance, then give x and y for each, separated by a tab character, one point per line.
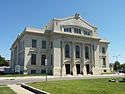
122	66
117	65
2	61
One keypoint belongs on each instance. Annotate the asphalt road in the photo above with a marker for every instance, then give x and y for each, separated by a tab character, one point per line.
19	80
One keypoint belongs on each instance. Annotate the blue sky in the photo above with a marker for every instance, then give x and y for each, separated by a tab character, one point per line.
107	15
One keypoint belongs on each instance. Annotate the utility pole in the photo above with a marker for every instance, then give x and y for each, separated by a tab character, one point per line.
46	68
116	57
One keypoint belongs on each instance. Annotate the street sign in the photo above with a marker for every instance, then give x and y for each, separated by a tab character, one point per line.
17	68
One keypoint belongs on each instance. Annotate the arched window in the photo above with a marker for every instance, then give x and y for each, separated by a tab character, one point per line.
67	51
86	52
77	51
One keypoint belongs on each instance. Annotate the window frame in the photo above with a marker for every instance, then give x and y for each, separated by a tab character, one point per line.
104	61
33	71
44	44
77	51
43	71
67	51
33	59
77	30
87	52
34	41
87	33
43	62
68	29
103	50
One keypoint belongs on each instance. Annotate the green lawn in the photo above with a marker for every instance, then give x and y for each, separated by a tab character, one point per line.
6	90
89	86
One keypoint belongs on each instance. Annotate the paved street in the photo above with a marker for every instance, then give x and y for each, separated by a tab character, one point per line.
18	80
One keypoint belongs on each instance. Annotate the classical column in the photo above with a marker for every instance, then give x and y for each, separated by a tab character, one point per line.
91	54
73	59
84	70
93	48
63	69
82	58
84	65
92	58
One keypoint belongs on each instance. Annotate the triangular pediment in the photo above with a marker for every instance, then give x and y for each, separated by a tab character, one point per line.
76	20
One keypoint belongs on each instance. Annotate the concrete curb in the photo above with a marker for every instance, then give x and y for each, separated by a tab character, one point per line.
32	89
25	77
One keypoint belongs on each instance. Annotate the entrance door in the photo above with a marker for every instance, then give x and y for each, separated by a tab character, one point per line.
78	68
87	68
67	68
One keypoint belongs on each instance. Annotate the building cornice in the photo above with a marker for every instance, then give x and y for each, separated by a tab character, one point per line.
104	41
27	30
75	35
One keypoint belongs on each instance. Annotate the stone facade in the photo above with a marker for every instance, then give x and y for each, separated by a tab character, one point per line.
70	45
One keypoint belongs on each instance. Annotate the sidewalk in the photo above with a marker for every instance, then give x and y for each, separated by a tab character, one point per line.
68	76
19	90
27	77
19	80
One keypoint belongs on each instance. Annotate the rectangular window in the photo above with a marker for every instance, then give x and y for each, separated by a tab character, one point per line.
67	30
43	71
103	50
87	33
33	59
43	44
33	43
84	32
79	30
43	59
76	30
33	71
104	61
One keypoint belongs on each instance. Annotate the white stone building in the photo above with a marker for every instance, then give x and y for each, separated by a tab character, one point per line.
71	46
